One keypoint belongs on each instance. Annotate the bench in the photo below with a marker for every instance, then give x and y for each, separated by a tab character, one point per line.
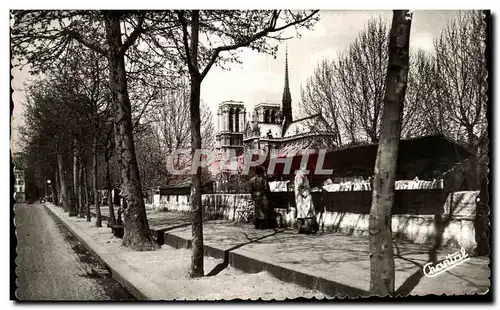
118	230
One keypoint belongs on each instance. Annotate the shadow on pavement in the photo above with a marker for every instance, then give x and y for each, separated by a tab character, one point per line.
217	269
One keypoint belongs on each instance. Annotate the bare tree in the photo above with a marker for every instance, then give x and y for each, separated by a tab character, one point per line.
40	37
381	250
320	96
461	77
152	166
348	91
221	31
419	98
174	115
49	139
360	79
166	131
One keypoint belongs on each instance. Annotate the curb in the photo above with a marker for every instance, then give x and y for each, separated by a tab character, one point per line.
233	258
115	266
243	262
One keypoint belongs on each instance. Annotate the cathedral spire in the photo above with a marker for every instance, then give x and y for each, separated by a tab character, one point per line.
287	97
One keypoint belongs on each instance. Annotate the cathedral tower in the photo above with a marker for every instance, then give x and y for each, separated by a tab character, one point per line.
287	97
231	121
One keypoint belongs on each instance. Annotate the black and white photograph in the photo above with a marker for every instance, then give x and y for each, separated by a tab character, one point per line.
250	154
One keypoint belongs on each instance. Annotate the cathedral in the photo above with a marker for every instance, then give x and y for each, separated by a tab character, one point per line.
269	127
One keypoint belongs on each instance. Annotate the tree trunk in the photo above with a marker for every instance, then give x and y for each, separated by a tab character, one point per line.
137	235
59	187
55	189
196	209
85	189
87	193
111	217
74	197
98	222
80	190
62	181
381	249
196	269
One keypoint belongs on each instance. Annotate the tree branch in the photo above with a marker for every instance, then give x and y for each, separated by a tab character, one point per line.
269	29
133	36
78	37
183	22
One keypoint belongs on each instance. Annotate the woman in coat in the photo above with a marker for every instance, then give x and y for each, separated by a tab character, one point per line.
306	215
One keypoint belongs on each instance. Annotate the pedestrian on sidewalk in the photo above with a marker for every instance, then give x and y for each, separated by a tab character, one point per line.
259	189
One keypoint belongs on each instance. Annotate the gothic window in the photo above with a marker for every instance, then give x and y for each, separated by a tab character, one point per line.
237	120
231	116
266	116
273	116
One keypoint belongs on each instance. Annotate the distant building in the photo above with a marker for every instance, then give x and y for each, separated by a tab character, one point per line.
19	176
270	127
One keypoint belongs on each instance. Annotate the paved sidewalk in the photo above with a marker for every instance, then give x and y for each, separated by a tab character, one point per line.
333	263
162	274
337	259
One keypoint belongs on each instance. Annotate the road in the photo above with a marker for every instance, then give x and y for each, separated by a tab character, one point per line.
53	265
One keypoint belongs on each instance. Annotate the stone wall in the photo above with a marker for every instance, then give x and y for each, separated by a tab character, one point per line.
417	219
221	206
169	203
456	227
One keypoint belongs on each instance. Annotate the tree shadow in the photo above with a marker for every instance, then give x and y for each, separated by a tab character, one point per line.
412	281
225	263
440	225
336	227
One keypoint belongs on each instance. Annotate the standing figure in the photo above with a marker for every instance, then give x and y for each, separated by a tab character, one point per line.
306	215
117	201
259	189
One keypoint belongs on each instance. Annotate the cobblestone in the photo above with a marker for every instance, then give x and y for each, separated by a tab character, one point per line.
53	265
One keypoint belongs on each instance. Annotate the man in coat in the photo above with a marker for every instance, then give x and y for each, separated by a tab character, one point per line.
259	189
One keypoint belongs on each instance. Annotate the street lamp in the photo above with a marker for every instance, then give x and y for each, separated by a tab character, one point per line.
50	186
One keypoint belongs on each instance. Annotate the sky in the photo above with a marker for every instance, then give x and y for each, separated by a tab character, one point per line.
260	77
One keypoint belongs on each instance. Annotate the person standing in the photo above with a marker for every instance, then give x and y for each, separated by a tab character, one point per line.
259	189
117	201
306	214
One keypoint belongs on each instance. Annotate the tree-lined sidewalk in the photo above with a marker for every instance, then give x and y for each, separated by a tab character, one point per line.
338	260
154	44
